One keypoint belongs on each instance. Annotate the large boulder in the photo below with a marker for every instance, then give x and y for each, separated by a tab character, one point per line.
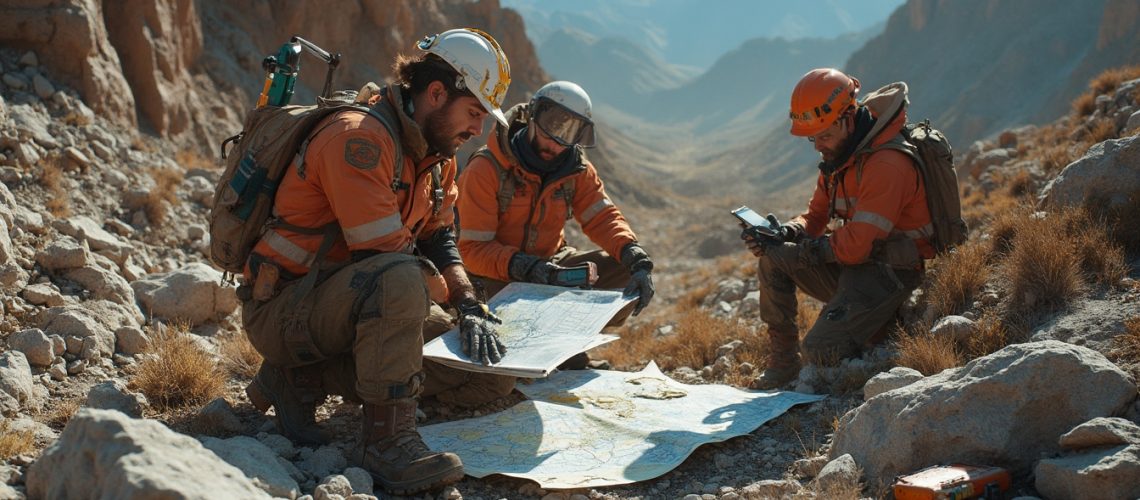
193	293
1106	174
1104	463
1004	409
105	454
274	474
86	229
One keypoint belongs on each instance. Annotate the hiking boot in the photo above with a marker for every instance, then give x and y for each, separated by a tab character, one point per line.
395	454
296	407
775	377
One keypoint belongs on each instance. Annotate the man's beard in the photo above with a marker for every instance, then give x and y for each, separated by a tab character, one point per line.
438	137
830	156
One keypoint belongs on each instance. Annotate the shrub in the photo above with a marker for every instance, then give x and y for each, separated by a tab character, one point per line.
176	372
239	357
15	442
165	192
927	353
958	277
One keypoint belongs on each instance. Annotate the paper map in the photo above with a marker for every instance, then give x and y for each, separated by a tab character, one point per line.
542	326
589	428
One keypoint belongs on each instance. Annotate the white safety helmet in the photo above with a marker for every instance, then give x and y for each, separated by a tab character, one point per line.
482	65
564	112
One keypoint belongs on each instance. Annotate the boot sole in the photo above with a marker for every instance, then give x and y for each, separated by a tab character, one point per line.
412	487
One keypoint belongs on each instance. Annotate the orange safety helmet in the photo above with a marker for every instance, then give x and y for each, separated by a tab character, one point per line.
820	98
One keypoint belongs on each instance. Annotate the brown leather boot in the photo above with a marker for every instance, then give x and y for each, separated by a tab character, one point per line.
783	361
396	455
295	395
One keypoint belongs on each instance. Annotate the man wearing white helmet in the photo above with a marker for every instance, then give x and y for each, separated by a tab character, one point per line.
384	182
533	176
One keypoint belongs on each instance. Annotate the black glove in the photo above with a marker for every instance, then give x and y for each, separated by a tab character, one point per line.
640	270
477	334
758	241
531	269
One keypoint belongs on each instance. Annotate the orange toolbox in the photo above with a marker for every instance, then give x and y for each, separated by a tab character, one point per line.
953	482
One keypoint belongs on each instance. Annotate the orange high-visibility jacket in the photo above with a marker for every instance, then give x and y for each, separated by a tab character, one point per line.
347	177
535	217
882	197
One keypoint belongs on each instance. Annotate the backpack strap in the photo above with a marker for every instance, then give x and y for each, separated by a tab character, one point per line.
398	165
436	188
897	143
506	182
568	196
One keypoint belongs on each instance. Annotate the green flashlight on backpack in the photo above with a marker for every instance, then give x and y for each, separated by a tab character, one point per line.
281	71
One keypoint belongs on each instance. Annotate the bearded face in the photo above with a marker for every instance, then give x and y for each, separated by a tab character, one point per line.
447	128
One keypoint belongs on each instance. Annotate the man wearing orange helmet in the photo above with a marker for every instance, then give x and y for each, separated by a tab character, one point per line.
868	261
338	288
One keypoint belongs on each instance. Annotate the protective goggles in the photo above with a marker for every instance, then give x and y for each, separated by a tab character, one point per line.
566	127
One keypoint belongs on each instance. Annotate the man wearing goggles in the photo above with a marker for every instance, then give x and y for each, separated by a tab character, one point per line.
518	192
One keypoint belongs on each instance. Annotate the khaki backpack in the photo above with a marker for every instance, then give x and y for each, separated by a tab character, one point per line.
272	139
934	159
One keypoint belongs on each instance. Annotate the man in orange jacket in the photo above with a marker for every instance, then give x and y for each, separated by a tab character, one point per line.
866	267
343	311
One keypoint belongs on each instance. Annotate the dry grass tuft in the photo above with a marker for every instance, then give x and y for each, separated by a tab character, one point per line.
1126	346
929	354
990	336
838	489
58	202
164	194
61	413
239	358
1104	83
15	442
178	372
958	277
188	160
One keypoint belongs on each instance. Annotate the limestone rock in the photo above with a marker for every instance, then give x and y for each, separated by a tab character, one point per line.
62	254
955	327
220	415
193	293
1106	176
43	294
75	323
1102	431
360	480
899	376
85	229
35	345
333	485
16	378
131	341
1103	473
273	474
103	284
109	455
1008	407
114	395
838	473
323	461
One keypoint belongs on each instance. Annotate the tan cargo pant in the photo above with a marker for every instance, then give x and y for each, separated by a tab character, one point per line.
369	322
861	303
365	328
611	275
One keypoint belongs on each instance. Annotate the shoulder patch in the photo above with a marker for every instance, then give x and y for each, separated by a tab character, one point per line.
362	153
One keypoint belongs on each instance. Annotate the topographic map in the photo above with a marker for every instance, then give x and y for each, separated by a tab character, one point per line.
590	428
542	326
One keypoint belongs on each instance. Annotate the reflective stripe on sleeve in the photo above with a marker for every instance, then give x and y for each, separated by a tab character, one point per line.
472	235
288	249
874	219
595	209
845	203
372	230
922	232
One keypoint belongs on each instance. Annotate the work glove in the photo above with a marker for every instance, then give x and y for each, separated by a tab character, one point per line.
532	269
478	336
758	241
640	271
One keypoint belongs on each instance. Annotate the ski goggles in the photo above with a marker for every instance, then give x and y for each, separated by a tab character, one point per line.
566	127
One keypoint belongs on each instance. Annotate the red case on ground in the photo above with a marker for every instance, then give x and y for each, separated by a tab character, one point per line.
951	482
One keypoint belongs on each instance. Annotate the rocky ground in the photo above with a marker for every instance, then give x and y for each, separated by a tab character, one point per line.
103	238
